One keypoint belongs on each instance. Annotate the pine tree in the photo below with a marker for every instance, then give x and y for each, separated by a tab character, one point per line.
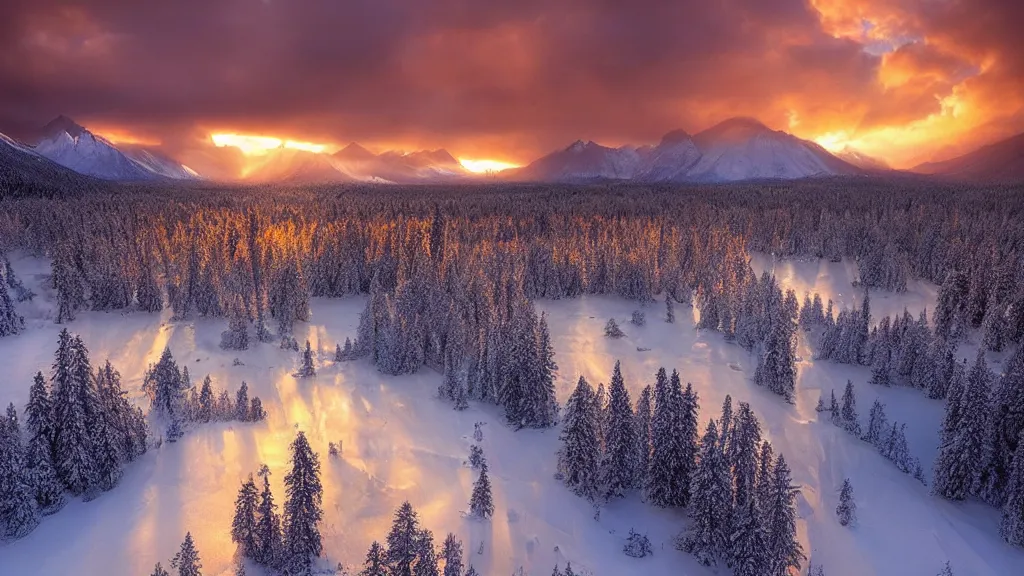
206	401
726	424
187	559
237	335
847	508
780	523
878	424
834	413
163	384
426	558
849	412
747	542
957	468
158	570
820	407
642	424
19	512
711	505
580	453
376	561
618	467
402	549
243	527
451	552
776	368
10	321
481	504
268	525
49	492
256	411
880	367
74	406
1012	526
612	330
742	453
242	403
670	312
947	570
547	404
303	508
307	370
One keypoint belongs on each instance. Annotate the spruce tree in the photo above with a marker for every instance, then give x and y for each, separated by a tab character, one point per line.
957	468
580	453
947	570
747	542
1012	525
765	477
256	411
612	330
426	557
1007	426
849	411
10	321
481	504
158	570
163	383
187	559
878	424
725	424
19	512
243	526
742	453
547	405
242	403
49	492
307	369
847	508
74	403
642	424
376	561
618	467
685	430
780	523
402	549
670	313
205	412
834	414
303	508
451	553
268	525
711	504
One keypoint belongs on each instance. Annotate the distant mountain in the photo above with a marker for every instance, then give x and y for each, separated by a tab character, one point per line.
73	146
1002	162
580	162
297	166
862	160
23	172
399	167
736	149
159	163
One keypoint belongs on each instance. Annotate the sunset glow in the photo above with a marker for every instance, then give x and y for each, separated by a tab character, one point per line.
255	145
484	166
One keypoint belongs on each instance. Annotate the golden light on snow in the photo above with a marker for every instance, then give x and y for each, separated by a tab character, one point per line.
484	166
254	145
834	141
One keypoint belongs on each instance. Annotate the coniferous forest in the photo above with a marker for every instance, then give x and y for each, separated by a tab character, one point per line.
449	279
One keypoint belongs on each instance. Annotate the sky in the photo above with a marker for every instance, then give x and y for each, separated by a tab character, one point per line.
903	80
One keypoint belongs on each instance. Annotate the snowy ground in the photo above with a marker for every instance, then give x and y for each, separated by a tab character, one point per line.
400	442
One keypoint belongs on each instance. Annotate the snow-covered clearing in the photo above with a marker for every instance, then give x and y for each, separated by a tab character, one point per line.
401	442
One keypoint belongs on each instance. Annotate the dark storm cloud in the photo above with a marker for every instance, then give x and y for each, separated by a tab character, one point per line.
517	77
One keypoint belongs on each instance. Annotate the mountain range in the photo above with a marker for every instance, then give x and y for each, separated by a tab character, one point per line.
738	149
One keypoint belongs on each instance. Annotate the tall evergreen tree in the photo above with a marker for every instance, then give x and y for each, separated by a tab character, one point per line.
74	403
268	525
847	508
481	504
618	468
451	552
242	403
187	559
580	453
376	561
743	446
747	542
670	312
849	411
957	468
158	570
547	404
1005	430
10	321
1012	525
780	523
243	526
711	506
307	369
19	512
303	508
642	424
878	423
163	383
402	549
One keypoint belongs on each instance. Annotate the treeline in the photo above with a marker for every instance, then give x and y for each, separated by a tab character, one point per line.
739	495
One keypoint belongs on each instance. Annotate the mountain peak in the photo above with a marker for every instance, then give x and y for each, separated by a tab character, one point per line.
678	135
354	151
63	124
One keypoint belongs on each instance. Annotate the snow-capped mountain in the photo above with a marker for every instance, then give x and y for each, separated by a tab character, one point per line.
159	163
71	145
581	161
736	149
1001	162
862	160
23	172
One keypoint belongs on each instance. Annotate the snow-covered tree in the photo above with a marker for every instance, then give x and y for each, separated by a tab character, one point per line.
158	570
642	424
849	418
878	425
243	526
612	330
638	318
742	454
10	321
269	546
451	553
74	408
242	403
618	467
19	511
376	561
481	504
163	383
958	466
307	369
426	562
187	559
1012	525
580	453
783	548
947	570
711	504
303	507
402	548
747	552
847	508
670	312
637	545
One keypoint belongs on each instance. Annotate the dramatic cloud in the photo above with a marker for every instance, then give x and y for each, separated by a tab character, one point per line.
510	80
